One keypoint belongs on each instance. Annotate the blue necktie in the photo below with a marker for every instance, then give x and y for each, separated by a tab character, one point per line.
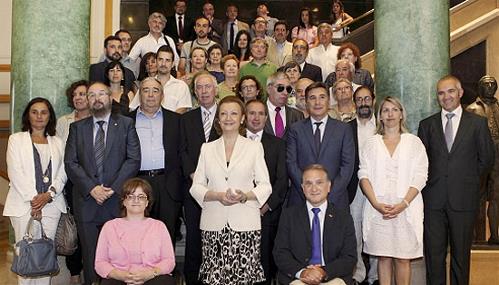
316	239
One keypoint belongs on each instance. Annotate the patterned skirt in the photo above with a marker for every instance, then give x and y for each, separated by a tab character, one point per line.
231	257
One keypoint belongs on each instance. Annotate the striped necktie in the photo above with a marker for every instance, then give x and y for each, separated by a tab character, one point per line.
206	124
99	148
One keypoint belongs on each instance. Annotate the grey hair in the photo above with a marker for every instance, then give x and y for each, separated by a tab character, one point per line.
156	15
351	65
276	76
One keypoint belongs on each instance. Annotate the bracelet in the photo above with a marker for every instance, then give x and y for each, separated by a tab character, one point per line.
406	203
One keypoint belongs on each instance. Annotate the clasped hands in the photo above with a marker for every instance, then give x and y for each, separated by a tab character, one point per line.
312	275
37	204
101	193
389	211
231	197
135	277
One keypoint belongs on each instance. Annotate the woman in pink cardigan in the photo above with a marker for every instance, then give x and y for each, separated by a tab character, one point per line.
135	249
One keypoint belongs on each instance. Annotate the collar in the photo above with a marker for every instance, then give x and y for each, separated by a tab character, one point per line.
259	133
322	206
157	113
371	121
105	118
457	112
323	120
212	109
272	106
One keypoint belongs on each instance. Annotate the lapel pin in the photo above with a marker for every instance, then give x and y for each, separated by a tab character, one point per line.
115	124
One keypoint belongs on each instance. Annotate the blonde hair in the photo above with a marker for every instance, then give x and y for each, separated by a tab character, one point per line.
380	129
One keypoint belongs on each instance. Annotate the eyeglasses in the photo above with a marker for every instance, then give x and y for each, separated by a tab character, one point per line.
366	99
140	198
281	88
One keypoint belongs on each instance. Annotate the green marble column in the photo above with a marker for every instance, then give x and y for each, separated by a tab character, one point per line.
50	49
411	40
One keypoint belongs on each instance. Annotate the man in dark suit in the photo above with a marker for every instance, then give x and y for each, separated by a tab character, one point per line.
460	150
315	242
196	128
102	151
178	26
113	50
159	134
280	116
299	54
231	27
320	139
275	158
217	26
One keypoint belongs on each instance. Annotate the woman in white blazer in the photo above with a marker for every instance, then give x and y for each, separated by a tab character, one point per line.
230	184
36	171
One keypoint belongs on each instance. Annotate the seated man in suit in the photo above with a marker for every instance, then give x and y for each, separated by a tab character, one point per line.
315	242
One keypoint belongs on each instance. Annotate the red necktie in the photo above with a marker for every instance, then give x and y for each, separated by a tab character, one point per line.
279	124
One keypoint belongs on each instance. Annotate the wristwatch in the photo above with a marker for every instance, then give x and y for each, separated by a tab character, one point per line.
51	193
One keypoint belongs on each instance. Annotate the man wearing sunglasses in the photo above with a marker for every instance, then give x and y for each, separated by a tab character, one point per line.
280	116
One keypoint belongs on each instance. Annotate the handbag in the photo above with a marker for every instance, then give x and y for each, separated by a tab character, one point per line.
66	236
35	257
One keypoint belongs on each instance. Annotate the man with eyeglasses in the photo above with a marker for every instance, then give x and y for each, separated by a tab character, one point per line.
102	152
280	117
320	139
159	134
315	242
363	127
196	128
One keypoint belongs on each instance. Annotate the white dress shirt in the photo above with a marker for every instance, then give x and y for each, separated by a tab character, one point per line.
272	113
458	112
149	44
176	95
254	136
324	58
212	110
322	126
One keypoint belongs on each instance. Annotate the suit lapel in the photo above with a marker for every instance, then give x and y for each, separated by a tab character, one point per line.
328	230
112	132
237	152
309	135
462	130
88	140
439	131
304	223
220	153
328	133
268	125
197	124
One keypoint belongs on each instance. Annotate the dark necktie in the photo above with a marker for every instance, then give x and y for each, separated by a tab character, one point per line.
316	258
449	131
231	36
317	136
279	124
180	28
99	147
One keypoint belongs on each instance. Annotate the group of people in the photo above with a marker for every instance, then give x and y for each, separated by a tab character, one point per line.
272	154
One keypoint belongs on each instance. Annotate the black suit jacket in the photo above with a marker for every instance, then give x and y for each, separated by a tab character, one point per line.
292	116
121	161
171	145
312	72
354	181
454	177
192	137
97	73
293	244
275	158
171	29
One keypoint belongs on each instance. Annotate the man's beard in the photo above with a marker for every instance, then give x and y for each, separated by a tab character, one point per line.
114	56
364	112
100	112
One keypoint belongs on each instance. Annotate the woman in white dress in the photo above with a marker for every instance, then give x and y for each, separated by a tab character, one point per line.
393	170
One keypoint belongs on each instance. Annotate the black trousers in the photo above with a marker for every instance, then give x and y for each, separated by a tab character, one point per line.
442	226
89	234
164	208
158	280
193	252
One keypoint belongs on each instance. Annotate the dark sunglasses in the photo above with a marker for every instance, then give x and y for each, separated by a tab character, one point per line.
281	88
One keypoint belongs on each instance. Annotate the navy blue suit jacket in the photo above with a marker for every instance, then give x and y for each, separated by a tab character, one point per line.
121	161
337	155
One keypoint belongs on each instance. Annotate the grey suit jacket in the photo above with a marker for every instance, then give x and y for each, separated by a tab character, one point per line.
121	161
292	116
336	154
240	26
454	177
